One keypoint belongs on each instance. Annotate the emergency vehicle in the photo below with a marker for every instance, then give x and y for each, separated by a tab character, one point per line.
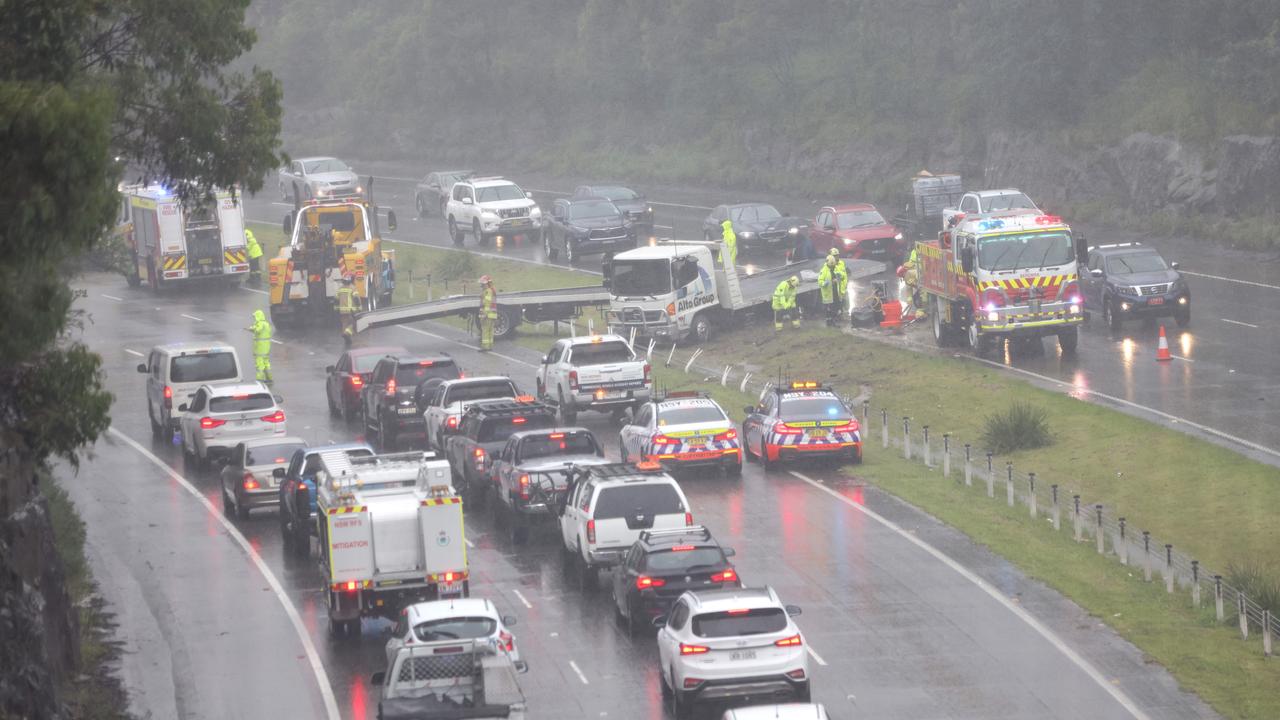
327	240
391	534
171	241
684	429
801	418
1004	275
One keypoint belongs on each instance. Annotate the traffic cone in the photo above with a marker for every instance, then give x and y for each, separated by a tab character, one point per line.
1162	350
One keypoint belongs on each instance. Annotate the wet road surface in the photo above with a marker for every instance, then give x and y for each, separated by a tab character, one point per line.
896	628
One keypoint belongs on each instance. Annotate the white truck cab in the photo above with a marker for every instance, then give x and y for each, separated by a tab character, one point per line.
593	372
491	208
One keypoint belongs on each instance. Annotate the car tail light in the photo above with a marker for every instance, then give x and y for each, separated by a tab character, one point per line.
391	387
208	423
797	674
573	379
524	486
448	577
692	682
357	381
851	426
688	519
275	417
729	575
518	421
727	435
506	640
682	548
451	422
664	440
250	482
793	641
644	582
648	372
478	454
686	649
168	397
591	532
782	428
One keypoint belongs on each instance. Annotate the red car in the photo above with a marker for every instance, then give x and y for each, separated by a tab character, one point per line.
858	231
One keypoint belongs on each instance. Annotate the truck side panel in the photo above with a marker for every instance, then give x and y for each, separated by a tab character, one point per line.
350	539
170	221
443	540
938	269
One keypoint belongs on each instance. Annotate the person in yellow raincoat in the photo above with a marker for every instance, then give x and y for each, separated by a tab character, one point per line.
833	284
730	239
348	304
784	303
262	332
488	312
255	252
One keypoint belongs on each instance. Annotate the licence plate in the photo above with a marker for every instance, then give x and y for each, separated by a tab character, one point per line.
818	433
615	393
697	442
406	411
243	423
742	655
450	588
205	261
1156	301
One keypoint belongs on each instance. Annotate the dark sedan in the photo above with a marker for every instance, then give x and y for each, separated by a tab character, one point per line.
632	204
584	226
347	377
432	193
759	226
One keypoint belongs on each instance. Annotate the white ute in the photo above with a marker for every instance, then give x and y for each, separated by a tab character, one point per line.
450	680
598	372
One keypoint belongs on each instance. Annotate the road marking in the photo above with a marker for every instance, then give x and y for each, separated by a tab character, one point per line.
664	227
313	657
254	290
1040	628
276	341
192	317
134	352
581	677
522	598
112	297
469	543
1179	357
813	654
1237	322
1227	279
465	345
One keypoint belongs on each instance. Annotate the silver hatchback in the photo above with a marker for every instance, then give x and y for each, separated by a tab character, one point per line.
248	478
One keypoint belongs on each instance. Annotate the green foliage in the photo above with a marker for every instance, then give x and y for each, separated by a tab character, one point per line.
1021	426
1258	581
457	267
55	402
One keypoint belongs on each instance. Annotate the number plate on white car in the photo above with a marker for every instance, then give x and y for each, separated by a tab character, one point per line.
447	589
406	411
742	655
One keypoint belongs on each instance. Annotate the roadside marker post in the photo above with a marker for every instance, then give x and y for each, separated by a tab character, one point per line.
1031	480
928	451
1078	537
1217	597
1266	633
1057	511
906	437
1008	483
991	478
968	468
1146	555
1124	545
884	426
1195	583
1168	568
1102	534
946	455
1243	614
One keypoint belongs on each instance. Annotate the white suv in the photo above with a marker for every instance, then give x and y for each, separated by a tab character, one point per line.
219	417
491	208
731	644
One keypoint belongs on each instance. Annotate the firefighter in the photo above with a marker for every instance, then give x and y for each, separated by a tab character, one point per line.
488	312
348	304
833	284
261	330
730	239
784	303
909	290
255	252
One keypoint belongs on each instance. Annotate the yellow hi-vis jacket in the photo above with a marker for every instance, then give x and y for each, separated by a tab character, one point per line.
261	330
251	243
784	296
346	297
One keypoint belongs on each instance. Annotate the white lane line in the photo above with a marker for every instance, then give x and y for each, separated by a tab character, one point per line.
523	599
813	653
1179	357
664	227
112	297
576	669
276	341
134	352
192	317
1227	279
1022	614
1237	322
313	657
465	345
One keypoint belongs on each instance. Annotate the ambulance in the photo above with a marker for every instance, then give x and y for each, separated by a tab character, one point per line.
172	242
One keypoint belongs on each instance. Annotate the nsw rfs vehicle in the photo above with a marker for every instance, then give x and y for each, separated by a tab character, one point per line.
171	242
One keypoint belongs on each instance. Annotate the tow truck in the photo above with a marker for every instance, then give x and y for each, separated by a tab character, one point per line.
171	242
1002	276
391	534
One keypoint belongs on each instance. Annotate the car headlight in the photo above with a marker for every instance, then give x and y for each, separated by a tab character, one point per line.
794	231
898	236
359	189
488	215
535	212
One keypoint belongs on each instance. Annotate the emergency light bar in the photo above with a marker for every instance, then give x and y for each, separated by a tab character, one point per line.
805	385
676	394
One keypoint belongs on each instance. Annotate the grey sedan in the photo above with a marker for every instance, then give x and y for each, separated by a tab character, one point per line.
248	479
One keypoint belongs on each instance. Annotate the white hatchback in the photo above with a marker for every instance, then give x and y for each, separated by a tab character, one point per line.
731	644
219	417
462	619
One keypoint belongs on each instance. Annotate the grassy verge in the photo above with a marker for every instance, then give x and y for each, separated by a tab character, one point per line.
95	694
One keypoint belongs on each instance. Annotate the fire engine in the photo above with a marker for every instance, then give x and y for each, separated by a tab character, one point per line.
329	239
1001	276
171	241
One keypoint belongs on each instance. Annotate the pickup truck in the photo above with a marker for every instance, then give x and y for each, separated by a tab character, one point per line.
449	400
483	431
982	202
450	680
597	372
530	474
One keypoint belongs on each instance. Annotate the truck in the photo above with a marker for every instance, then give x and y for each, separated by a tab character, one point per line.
985	202
930	196
171	241
1004	276
327	240
531	474
391	534
482	432
450	680
593	372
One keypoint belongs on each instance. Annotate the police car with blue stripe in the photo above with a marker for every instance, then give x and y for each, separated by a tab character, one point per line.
682	430
801	418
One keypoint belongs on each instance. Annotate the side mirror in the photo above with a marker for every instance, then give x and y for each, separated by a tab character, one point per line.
278	473
792	610
508	620
288	224
748	409
142	367
659	621
391	221
521	666
182	407
328	368
729	552
1096	272
966	259
277	398
1082	249
378	678
1175	265
544	359
528	194
468	201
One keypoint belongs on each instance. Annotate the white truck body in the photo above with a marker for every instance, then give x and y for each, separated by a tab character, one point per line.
440	679
172	241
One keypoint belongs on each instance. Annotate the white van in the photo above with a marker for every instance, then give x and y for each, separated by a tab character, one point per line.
176	370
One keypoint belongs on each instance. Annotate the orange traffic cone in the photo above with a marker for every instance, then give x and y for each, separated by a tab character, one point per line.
1162	350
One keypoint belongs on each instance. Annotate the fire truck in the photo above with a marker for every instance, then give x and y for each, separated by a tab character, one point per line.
329	239
998	276
171	241
391	534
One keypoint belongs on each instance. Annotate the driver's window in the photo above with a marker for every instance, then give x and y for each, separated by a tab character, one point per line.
824	221
678	616
1095	261
554	356
683	271
584	497
767	406
344	363
969	205
197	403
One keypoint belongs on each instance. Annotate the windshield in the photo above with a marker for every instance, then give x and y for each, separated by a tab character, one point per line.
641	277
814	407
411	374
480	391
205	367
365	363
704	557
241	403
1012	201
553	444
702	412
270	454
735	623
325	166
858	218
1135	263
583	211
460	628
1019	252
501	428
600	353
447	180
650	499
753	213
499	192
617	193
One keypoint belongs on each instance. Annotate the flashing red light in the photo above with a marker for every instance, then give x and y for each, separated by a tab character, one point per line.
250	482
168	396
591	532
793	641
391	387
518	421
556	436
644	582
351	585
478	452
682	548
357	381
208	423
275	417
729	575
727	435
448	577
992	298
664	440
688	519
782	428
1048	220
692	649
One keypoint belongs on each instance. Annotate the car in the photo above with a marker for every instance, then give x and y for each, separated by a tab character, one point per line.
297	493
531	474
605	507
1132	280
982	202
433	192
387	401
491	208
313	178
786	711
460	619
483	432
345	379
730	644
593	372
661	566
758	226
249	480
682	430
443	407
632	204
219	417
858	231
586	226
176	370
801	418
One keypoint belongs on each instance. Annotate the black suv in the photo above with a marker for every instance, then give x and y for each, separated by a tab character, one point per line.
387	399
1131	280
631	203
482	433
664	564
583	226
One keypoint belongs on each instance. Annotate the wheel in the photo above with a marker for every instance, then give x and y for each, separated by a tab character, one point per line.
422	210
733	470
666	688
551	252
133	278
631	618
1110	318
301	544
700	330
351	628
570	251
680	708
286	537
334	411
347	413
764	457
478	494
747	455
1182	317
503	325
979	343
475	230
940	331
568	413
803	695
386	440
454	234
1068	338
587	575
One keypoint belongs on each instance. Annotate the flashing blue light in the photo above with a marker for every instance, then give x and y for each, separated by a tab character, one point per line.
990	224
832	410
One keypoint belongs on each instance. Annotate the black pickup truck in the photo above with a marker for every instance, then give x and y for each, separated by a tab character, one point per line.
483	431
531	473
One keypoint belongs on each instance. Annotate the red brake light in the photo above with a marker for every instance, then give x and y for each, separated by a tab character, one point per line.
351	585
573	379
739	611
451	421
208	423
168	396
478	452
591	532
250	482
645	582
792	641
391	386
556	436
357	381
524	486
692	649
729	575
727	435
426	363
688	519
241	396
518	421
682	548
782	428
275	417
1048	220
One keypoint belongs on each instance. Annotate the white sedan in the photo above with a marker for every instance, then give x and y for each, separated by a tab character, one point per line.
219	417
462	619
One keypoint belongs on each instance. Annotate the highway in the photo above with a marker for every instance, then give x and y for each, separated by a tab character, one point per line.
903	617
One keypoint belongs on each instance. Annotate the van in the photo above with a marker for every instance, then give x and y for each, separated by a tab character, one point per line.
177	370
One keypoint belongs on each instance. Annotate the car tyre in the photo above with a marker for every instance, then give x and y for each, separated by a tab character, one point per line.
803	695
1068	339
701	330
733	470
631	618
666	687
227	508
551	252
568	413
386	440
242	511
157	431
479	235
1110	318
681	709
587	575
454	234
301	539
334	411
570	252
764	457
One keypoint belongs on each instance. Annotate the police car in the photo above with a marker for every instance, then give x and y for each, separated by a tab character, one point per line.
801	418
682	430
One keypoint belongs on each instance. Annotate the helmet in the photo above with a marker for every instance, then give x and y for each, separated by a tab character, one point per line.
834	252
793	280
485	280
831	260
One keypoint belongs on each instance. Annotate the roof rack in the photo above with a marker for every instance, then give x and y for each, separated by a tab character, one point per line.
699	531
509	407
